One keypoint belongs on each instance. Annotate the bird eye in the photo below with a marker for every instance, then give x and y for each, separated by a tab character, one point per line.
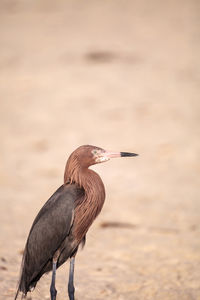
94	152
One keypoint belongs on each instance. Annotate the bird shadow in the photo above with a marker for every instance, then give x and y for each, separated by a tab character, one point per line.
108	224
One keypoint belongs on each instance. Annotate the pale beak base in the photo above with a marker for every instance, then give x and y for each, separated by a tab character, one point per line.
118	154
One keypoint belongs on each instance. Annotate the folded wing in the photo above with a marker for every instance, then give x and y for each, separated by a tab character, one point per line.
50	228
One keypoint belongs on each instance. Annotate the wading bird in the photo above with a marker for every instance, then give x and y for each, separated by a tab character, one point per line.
62	223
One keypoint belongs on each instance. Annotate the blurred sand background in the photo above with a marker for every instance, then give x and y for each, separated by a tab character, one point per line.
125	76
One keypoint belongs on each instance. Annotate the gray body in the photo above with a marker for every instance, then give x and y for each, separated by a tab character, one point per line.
51	230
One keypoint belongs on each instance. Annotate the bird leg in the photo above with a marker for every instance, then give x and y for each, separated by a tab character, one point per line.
71	288
53	290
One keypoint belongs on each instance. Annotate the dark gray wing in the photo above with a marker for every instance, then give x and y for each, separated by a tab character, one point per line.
49	229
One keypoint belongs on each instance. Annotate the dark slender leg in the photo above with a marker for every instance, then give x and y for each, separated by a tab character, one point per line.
71	288
53	291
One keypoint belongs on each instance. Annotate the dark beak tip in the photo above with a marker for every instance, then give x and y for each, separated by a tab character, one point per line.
126	154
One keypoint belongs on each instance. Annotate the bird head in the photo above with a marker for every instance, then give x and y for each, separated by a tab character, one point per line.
88	155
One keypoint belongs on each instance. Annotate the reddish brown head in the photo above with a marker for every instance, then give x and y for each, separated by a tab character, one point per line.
86	156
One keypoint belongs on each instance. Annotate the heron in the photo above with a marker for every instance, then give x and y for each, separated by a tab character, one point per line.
61	225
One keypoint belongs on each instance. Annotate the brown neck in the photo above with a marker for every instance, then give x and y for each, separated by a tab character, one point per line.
90	206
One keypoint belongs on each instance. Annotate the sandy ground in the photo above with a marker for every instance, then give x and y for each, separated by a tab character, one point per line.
122	75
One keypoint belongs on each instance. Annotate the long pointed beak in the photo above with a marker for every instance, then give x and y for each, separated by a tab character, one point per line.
110	154
128	154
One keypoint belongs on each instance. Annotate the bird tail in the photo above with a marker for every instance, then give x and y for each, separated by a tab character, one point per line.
16	294
23	285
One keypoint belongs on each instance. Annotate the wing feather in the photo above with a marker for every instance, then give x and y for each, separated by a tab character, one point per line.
50	227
